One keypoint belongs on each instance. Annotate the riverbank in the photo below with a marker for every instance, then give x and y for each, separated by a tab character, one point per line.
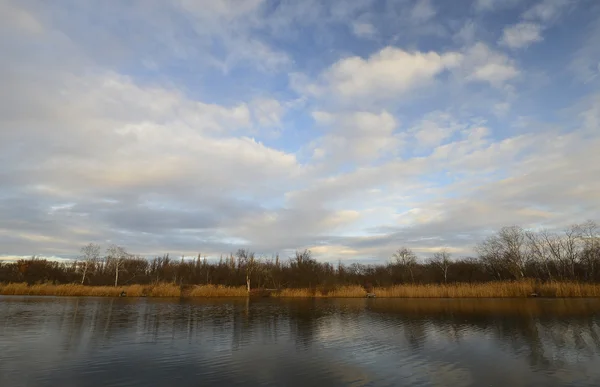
505	289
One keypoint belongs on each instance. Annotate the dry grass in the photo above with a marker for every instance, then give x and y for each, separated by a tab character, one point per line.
505	289
493	289
160	290
461	290
60	290
217	291
296	293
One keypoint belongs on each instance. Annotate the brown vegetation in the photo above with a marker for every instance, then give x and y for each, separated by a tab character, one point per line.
510	263
458	290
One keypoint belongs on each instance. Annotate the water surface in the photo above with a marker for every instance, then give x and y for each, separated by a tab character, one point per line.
62	341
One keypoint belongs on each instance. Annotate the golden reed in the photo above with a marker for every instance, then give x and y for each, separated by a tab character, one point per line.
504	289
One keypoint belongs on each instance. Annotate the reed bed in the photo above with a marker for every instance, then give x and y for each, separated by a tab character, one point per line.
217	291
157	290
62	290
505	289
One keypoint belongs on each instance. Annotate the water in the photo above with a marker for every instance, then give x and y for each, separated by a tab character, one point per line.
355	342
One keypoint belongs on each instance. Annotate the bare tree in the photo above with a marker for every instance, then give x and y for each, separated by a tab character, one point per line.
442	260
247	261
588	234
512	240
508	248
571	249
490	255
90	254
406	259
116	255
538	251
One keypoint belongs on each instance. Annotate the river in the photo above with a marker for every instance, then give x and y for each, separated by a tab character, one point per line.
72	341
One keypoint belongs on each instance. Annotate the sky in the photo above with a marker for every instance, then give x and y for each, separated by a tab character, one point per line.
347	127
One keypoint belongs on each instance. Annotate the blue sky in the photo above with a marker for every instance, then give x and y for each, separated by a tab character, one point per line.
347	127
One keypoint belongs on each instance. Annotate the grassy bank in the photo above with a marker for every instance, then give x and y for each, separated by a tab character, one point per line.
464	290
461	290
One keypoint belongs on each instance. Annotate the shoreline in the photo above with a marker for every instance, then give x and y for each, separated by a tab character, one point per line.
504	289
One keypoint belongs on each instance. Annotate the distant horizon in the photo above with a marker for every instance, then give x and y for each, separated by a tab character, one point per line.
421	256
348	128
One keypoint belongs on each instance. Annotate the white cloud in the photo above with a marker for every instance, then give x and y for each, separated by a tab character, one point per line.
500	109
390	71
259	54
491	5
267	111
363	30
434	129
585	63
546	10
422	11
117	152
521	35
467	33
19	18
89	154
358	137
485	65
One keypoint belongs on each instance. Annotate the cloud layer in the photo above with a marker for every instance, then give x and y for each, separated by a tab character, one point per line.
350	128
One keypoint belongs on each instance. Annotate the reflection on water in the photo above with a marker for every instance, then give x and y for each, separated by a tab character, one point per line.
354	342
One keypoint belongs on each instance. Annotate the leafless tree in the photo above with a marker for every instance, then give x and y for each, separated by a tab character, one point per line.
117	256
405	258
247	261
490	255
538	251
512	240
508	248
569	246
588	234
441	259
90	254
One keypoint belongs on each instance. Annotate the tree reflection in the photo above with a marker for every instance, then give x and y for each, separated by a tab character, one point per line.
544	334
549	334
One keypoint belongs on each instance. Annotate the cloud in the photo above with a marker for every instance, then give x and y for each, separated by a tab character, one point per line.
19	19
467	33
363	30
231	23
546	10
358	137
434	129
585	63
181	133
388	72
268	112
482	64
491	5
392	74
422	11
521	35
98	156
501	108
537	18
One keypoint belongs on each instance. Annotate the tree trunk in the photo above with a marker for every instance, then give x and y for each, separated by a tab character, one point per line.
117	275
248	283
83	276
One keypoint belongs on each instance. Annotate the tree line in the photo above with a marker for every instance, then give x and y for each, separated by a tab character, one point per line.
512	253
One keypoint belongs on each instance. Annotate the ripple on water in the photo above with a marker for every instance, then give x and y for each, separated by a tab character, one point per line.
115	342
